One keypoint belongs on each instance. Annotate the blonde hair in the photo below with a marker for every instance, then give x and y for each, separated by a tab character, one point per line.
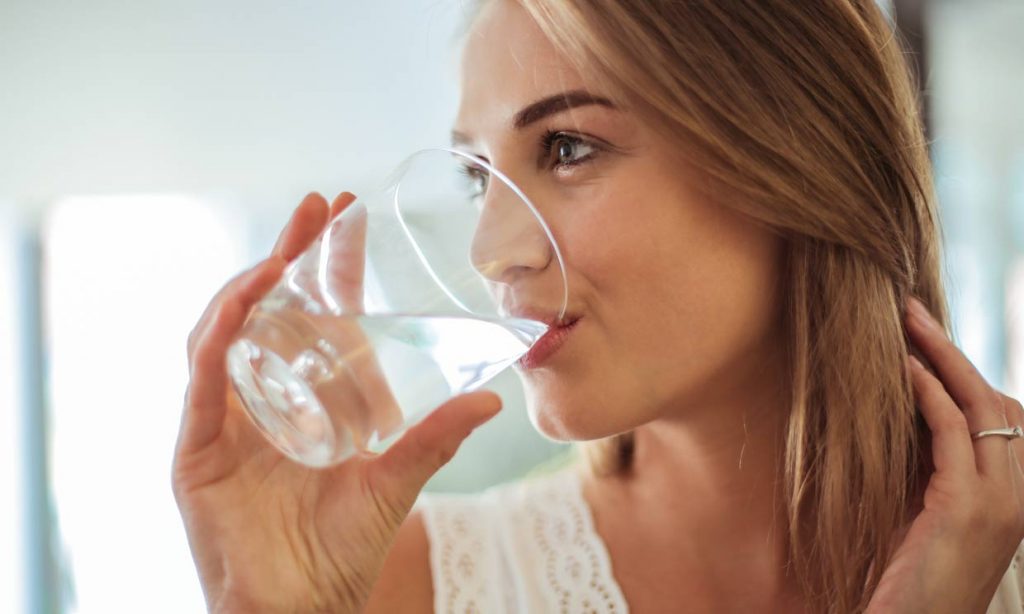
803	116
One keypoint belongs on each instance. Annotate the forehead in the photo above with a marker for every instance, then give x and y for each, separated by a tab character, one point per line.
507	63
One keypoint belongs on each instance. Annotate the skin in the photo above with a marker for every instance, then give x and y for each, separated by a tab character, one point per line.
679	332
678	341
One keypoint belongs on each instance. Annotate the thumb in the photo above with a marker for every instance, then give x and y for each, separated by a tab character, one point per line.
403	469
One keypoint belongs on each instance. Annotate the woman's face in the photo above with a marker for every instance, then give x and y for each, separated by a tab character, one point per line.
676	296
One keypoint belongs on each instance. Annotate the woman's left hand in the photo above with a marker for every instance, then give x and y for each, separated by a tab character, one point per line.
958	548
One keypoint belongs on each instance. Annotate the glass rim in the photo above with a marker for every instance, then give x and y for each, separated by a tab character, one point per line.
393	181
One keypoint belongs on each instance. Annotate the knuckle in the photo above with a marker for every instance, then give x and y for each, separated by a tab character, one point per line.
956	422
443	454
995	400
1014	406
431	454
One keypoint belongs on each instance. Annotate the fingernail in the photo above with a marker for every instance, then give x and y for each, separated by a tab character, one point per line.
914	362
920	312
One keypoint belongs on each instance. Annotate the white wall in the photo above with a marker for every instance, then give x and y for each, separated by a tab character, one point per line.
250	103
263	100
12	452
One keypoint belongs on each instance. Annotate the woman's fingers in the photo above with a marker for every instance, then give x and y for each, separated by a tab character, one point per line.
1012	409
306	222
970	392
243	278
1014	412
384	412
951	446
207	392
345	278
403	469
963	381
345	269
304	226
226	313
378	410
341	201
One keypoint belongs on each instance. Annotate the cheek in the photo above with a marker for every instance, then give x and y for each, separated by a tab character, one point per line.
679	295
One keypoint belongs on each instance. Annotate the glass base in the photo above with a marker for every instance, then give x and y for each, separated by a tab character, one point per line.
282	405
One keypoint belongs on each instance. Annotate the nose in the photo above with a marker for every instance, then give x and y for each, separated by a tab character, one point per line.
509	241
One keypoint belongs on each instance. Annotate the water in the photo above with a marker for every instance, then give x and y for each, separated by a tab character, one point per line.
324	387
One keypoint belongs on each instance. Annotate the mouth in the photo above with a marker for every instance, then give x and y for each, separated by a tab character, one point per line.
550	342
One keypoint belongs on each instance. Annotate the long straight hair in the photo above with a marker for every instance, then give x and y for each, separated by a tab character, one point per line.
805	117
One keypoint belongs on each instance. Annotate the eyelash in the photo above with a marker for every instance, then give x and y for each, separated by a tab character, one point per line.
547	142
550	137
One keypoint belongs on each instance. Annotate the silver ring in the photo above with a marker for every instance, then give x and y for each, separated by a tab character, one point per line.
1009	433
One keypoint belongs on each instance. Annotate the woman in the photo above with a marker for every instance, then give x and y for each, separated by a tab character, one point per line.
743	195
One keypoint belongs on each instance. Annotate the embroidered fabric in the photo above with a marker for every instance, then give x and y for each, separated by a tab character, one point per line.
530	547
523	547
1009	597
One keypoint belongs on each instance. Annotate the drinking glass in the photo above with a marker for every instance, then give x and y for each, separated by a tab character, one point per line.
423	290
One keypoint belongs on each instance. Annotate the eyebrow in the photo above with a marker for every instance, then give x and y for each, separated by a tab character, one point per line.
545	107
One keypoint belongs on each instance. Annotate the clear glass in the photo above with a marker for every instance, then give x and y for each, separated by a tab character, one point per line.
421	291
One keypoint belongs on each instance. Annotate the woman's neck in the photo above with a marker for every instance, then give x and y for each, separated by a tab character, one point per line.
705	485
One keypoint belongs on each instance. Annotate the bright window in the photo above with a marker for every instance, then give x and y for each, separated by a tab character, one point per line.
126	278
12	453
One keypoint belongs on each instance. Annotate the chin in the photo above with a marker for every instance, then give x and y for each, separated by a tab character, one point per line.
566	421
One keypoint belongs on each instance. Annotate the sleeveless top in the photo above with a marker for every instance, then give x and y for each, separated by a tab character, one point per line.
529	547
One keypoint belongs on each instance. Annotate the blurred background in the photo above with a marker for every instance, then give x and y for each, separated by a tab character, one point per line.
150	150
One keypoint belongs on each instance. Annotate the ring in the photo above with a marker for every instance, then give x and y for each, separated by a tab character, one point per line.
1009	433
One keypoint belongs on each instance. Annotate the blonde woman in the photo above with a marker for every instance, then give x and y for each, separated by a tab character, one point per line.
743	194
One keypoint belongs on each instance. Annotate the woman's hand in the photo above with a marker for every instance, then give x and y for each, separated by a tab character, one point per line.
956	551
269	535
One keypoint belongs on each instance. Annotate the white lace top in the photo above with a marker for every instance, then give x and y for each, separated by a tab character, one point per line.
530	547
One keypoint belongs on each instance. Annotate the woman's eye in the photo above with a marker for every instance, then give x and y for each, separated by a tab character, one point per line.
566	150
475	180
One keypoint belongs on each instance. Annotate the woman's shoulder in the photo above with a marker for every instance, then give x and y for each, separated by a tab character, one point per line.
404	583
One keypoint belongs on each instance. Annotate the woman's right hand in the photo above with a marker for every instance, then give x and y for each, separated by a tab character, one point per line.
270	535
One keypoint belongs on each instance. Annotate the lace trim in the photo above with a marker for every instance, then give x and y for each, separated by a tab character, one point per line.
531	547
462	554
550	524
525	547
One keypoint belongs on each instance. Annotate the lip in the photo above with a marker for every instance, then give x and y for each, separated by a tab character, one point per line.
548	344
